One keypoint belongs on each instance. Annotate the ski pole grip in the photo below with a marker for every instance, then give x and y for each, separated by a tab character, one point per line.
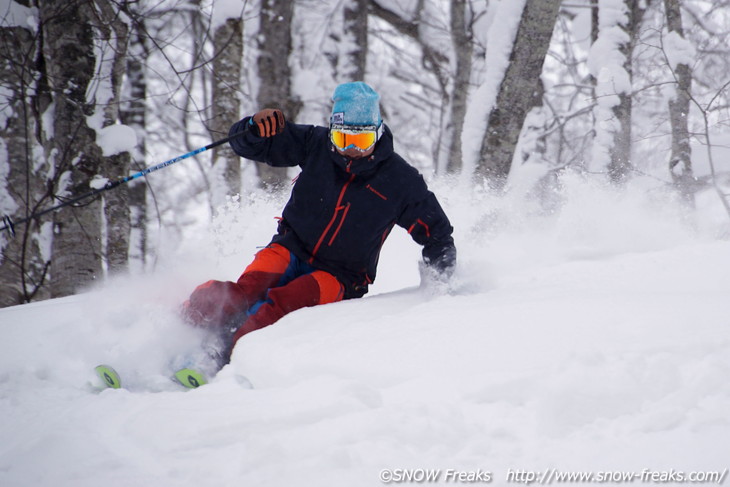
224	140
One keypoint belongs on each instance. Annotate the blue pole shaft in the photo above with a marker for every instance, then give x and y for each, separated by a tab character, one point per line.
148	170
10	225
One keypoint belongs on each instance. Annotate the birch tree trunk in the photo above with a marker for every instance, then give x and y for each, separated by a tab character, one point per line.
275	74
69	59
621	165
228	48
349	58
113	36
463	51
680	160
611	64
23	265
134	114
516	93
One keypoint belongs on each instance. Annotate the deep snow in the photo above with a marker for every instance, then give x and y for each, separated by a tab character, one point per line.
591	335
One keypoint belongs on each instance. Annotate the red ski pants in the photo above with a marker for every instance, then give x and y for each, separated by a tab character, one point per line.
274	284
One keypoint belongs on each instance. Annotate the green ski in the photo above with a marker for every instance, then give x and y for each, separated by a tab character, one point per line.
192	379
109	376
188	378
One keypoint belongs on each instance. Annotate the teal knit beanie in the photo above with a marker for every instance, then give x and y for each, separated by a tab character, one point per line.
356	103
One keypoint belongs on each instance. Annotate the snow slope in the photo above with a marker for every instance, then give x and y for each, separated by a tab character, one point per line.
592	336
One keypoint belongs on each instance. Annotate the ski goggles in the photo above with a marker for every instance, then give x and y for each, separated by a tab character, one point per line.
361	138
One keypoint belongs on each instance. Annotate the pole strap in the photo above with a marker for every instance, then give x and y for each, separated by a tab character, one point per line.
8	225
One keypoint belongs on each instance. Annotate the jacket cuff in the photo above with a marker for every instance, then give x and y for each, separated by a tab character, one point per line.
251	126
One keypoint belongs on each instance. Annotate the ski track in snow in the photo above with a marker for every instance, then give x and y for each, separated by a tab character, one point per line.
558	349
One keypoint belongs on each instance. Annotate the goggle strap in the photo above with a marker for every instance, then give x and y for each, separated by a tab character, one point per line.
357	128
354	130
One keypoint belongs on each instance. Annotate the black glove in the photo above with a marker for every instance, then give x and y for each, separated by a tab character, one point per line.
442	261
268	122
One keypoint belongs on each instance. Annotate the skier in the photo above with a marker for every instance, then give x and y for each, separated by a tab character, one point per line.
352	189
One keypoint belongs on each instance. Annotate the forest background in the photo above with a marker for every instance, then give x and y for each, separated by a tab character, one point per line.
477	93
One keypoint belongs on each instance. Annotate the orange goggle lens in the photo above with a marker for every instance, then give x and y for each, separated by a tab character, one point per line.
359	139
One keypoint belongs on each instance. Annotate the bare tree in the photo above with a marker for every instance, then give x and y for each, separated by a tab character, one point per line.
680	160
69	59
227	59
23	264
67	76
517	91
274	72
613	67
449	68
461	38
113	32
621	153
134	114
705	136
349	34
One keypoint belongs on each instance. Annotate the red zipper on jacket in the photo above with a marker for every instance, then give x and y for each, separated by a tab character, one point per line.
338	208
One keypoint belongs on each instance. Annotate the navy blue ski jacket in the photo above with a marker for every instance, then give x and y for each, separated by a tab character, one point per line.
341	210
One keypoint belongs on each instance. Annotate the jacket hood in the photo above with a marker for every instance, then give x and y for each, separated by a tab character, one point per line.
366	165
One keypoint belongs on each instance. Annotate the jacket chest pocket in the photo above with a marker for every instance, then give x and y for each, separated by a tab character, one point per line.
377	193
377	202
368	211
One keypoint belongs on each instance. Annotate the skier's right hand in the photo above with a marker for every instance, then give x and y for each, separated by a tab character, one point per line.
268	122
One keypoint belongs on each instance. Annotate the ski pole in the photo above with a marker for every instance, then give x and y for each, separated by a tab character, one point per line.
10	225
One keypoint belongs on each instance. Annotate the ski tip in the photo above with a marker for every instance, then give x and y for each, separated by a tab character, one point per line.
109	376
192	379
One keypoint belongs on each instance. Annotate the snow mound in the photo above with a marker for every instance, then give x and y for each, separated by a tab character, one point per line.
585	330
